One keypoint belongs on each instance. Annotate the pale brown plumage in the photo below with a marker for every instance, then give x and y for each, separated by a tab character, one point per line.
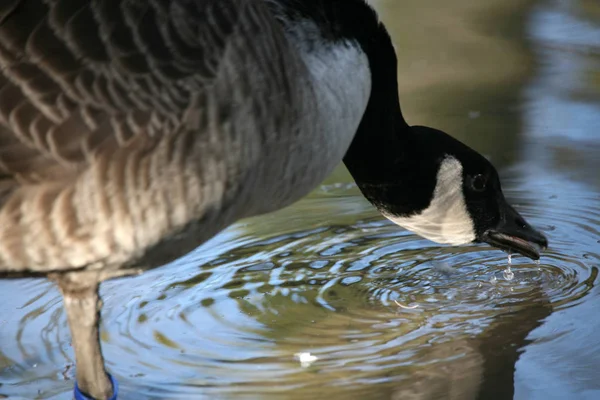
131	131
127	127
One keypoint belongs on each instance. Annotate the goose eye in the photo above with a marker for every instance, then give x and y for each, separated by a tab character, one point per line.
478	183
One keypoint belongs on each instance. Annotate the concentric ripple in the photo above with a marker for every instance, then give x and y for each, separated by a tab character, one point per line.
375	304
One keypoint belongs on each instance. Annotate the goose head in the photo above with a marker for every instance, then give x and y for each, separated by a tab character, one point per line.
448	193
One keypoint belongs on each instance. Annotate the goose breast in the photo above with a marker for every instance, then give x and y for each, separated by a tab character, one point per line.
131	131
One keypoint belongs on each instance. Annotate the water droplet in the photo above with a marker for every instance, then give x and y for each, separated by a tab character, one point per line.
538	263
507	273
493	279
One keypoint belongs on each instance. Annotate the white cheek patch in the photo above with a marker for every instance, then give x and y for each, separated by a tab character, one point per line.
446	219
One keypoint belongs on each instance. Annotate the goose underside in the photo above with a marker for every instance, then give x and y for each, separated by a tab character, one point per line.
100	173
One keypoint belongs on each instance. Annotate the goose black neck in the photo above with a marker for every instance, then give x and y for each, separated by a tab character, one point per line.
383	139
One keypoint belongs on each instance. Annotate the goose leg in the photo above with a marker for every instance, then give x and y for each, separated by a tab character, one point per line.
83	305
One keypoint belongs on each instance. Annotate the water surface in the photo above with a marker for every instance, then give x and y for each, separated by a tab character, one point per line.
388	314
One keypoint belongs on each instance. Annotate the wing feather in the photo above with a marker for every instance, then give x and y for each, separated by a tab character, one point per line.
76	75
132	130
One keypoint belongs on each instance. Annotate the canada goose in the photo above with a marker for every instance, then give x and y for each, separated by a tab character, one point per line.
131	131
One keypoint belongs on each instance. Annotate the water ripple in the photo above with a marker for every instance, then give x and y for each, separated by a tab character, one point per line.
367	298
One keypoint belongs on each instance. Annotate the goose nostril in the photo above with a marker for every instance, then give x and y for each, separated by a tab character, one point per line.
521	223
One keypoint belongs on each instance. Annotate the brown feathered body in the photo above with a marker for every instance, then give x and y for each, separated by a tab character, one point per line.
132	131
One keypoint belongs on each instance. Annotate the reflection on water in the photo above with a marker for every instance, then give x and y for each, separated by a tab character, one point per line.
389	315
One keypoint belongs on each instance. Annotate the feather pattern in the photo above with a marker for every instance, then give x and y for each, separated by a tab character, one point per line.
133	130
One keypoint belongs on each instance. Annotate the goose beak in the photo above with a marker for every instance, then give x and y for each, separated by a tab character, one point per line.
514	234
